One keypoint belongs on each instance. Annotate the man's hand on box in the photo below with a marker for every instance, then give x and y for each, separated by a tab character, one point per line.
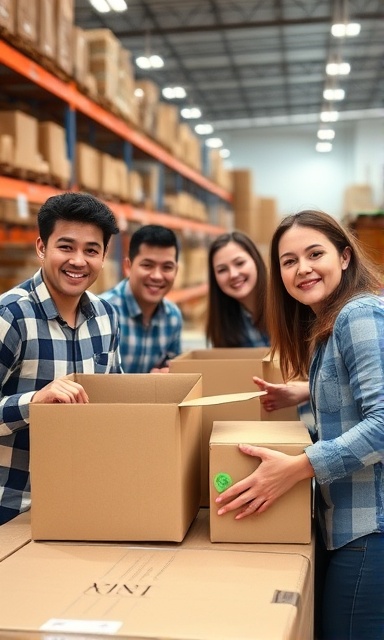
282	395
63	391
276	474
161	370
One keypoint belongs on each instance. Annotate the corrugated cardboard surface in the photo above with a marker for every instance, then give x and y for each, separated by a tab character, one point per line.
126	466
229	371
15	534
289	519
173	593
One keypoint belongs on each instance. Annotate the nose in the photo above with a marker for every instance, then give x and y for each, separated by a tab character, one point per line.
233	271
78	259
156	273
303	267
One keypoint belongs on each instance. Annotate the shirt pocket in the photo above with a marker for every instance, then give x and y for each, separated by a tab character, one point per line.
329	395
103	361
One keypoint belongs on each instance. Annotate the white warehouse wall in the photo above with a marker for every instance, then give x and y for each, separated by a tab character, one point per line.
286	166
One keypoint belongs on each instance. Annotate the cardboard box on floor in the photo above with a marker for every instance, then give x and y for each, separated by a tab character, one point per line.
126	466
289	519
230	371
138	592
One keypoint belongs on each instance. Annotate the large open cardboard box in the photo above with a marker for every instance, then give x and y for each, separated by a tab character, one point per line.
138	592
126	466
230	371
289	519
15	534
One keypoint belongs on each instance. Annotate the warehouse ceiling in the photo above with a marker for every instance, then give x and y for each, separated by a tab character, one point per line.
255	63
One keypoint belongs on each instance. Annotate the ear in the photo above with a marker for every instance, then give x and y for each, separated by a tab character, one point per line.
346	258
127	267
40	248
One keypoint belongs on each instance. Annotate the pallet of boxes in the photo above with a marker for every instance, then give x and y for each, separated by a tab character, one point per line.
120	543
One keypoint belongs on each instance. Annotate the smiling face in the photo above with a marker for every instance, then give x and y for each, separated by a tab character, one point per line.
151	275
310	265
71	260
235	272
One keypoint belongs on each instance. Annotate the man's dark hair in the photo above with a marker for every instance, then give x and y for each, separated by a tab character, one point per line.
154	235
76	207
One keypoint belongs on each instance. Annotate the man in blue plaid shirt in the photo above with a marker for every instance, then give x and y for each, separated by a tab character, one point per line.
51	327
150	325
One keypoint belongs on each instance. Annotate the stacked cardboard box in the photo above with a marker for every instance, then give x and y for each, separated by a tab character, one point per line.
7	15
23	129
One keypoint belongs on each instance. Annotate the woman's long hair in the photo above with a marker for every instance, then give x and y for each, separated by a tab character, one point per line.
224	326
295	329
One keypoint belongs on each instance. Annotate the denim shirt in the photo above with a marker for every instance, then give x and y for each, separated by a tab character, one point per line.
347	395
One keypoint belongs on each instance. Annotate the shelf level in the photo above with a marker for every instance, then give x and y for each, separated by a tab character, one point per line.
69	93
38	193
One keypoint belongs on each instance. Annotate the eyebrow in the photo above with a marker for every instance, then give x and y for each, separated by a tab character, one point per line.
72	241
291	253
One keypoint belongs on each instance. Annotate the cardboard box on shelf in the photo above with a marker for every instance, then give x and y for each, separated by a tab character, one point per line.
24	130
53	148
26	20
7	15
64	34
229	371
46	33
87	166
172	593
289	519
126	466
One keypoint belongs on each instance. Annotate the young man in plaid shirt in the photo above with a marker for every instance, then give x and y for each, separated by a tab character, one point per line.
150	325
51	327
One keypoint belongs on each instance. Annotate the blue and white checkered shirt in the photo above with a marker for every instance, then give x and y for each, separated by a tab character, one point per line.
253	337
142	347
347	394
36	347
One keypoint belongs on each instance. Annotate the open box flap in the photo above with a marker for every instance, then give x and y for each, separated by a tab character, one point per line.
222	399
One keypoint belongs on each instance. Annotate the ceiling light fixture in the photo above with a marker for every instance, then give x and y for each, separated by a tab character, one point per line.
338	68
329	116
214	143
326	134
174	93
341	26
224	153
323	147
105	6
333	94
191	113
148	60
204	129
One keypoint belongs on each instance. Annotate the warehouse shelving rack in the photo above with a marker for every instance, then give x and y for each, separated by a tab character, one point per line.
74	103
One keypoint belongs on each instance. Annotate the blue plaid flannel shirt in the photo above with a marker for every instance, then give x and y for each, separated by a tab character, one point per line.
142	347
347	394
36	347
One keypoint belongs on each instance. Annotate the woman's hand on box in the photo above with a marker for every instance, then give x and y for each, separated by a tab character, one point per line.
63	391
276	474
282	395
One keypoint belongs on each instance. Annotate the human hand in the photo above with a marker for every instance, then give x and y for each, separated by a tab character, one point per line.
282	395
161	370
276	474
62	391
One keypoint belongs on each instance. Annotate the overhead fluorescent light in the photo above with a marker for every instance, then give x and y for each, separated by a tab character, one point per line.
329	116
225	153
338	68
342	29
174	93
333	94
149	62
326	134
214	143
191	113
323	147
204	129
104	6
101	6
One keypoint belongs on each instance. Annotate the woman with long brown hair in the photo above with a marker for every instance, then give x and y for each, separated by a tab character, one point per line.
327	322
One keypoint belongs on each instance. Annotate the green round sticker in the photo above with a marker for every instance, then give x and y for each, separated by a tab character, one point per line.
222	481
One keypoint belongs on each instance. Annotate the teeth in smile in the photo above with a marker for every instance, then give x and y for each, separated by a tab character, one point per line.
74	275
